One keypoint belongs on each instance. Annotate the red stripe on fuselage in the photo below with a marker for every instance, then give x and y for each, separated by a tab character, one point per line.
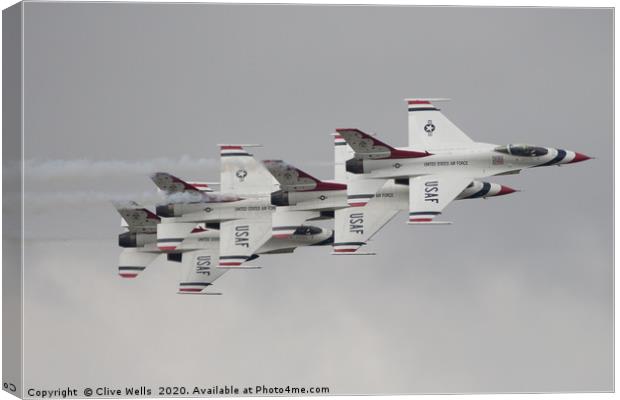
167	248
395	153
327	186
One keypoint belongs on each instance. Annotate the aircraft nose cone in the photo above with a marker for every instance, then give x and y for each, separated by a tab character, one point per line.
580	157
505	190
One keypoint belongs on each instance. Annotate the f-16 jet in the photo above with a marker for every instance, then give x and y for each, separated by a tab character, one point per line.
353	226
241	209
198	253
247	221
440	162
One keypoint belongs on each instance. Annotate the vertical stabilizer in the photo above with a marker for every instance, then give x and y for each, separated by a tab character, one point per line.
241	174
342	152
429	129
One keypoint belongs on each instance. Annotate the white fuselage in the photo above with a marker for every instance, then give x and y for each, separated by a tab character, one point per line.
477	162
392	195
215	212
207	238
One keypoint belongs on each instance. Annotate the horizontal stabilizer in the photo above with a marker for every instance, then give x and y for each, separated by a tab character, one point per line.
369	147
293	179
137	218
170	184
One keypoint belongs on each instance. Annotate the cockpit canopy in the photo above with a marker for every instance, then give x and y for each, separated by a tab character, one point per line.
308	230
522	150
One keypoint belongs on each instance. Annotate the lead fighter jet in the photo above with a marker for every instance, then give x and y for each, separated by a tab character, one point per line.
439	163
353	226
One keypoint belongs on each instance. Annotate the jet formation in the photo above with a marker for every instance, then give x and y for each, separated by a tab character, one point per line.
271	207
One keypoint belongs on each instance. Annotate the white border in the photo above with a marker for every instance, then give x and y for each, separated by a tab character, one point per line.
479	3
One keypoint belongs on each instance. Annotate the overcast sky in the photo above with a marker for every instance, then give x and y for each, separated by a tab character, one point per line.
516	295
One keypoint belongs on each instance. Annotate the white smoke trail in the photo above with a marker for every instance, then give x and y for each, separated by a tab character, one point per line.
42	201
84	168
87	183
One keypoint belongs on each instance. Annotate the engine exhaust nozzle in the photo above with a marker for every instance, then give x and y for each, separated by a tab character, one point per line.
127	239
355	166
165	210
279	198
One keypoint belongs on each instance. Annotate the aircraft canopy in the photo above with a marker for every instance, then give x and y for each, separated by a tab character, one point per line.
522	150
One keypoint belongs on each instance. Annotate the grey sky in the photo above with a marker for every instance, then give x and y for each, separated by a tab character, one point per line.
515	296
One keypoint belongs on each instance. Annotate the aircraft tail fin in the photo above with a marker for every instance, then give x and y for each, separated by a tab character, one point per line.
429	129
342	153
241	174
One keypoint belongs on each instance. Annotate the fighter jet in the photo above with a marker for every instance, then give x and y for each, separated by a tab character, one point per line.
248	222
198	253
241	209
353	226
440	162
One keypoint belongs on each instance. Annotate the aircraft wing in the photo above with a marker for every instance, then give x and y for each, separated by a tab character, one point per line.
430	194
360	190
199	271
133	261
354	226
240	239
